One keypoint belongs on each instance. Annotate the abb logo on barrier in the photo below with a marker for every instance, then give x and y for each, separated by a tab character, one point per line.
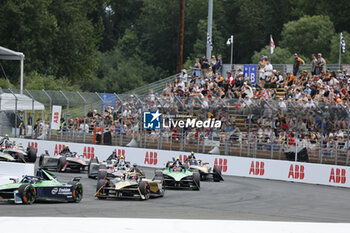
58	148
257	168
222	163
296	172
120	152
89	152
151	158
33	144
338	177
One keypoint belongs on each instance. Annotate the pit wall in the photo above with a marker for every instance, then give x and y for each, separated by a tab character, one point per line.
230	165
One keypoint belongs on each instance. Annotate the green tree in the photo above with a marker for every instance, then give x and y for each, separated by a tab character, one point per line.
28	26
36	81
308	35
280	55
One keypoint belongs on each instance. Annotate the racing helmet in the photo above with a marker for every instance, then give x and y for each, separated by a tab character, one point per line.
122	157
192	153
177	159
66	146
133	176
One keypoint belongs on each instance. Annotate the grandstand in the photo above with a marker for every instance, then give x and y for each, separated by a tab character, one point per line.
258	121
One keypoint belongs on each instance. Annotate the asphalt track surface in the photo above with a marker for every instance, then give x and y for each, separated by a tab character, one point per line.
234	199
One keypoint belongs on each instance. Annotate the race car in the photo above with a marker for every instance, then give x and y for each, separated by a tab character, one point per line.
131	185
43	187
179	177
16	153
63	161
113	167
206	172
112	161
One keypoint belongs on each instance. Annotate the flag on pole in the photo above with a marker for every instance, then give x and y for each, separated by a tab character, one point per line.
209	41
272	45
342	42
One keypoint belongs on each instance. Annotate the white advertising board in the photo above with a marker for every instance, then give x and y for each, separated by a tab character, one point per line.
230	165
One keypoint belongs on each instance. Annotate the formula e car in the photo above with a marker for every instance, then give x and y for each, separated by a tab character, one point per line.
180	177
43	187
63	161
16	153
131	185
108	166
206	172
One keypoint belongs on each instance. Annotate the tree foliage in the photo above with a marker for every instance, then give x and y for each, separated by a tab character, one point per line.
117	45
308	35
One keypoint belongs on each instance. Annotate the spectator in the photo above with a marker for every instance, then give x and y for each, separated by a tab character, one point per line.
218	66
320	63
296	65
204	66
313	64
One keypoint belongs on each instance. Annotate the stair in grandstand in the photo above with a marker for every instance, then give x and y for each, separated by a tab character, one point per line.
281	93
157	86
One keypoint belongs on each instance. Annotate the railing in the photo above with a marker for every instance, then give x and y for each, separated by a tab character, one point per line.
248	128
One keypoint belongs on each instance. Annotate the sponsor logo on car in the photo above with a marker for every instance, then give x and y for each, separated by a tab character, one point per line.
296	172
338	176
151	158
257	168
54	191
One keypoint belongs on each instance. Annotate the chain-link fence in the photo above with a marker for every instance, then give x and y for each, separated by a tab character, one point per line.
275	129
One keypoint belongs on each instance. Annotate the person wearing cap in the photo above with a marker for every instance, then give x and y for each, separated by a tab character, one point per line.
313	64
297	61
320	63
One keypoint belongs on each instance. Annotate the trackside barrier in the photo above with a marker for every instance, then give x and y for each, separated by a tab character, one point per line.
230	165
14	170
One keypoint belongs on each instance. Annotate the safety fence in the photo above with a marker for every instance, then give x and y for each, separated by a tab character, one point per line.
274	129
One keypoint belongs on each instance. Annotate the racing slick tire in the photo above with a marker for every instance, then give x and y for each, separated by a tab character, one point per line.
217	173
145	189
102	175
197	180
78	191
31	154
41	160
61	162
27	193
100	184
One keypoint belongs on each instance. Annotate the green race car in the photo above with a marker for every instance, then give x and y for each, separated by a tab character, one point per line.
180	178
43	187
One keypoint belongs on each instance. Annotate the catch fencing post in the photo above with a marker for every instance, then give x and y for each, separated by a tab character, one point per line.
160	141
141	116
82	97
122	121
16	99
182	129
50	115
32	107
67	111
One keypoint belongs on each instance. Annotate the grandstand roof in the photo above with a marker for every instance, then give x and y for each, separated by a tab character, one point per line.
8	54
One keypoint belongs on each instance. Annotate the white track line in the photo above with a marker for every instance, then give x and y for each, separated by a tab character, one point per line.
130	225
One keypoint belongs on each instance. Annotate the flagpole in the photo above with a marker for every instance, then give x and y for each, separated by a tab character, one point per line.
340	51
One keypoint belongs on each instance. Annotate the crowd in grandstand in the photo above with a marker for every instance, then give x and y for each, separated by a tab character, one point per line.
312	103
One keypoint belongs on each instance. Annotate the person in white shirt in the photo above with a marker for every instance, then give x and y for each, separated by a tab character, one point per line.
268	69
